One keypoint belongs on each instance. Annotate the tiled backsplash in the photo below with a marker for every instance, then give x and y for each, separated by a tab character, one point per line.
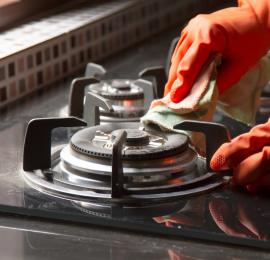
36	54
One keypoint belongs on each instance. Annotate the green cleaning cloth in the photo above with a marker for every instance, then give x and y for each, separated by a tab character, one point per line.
240	101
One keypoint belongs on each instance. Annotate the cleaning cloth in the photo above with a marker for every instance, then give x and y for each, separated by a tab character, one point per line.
240	101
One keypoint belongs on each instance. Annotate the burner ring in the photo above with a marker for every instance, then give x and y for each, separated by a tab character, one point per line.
134	137
123	91
81	142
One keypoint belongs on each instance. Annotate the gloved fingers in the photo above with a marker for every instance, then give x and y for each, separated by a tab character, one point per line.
252	169
188	69
179	52
226	219
231	154
183	47
183	37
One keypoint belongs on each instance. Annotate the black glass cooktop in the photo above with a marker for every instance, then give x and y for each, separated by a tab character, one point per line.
233	214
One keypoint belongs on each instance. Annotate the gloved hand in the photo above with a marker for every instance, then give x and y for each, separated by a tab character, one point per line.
250	154
242	36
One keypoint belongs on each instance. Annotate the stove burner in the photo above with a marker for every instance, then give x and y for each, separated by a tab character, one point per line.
134	137
98	165
117	89
121	84
130	99
94	142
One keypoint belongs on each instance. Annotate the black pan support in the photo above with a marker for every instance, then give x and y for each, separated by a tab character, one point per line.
93	70
76	95
91	108
215	135
117	181
160	76
148	90
37	141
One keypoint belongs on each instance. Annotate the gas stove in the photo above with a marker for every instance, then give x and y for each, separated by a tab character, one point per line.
135	176
120	163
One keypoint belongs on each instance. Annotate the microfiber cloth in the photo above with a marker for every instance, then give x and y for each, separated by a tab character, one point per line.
240	101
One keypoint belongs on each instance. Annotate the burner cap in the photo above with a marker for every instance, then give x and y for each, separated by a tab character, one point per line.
134	136
117	89
82	142
121	84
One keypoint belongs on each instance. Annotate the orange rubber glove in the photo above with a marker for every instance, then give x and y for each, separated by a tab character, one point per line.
241	34
250	154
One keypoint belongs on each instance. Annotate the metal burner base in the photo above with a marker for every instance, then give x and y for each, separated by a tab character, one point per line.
39	180
105	119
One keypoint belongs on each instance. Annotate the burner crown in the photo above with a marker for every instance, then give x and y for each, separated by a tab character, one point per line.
117	89
134	137
121	84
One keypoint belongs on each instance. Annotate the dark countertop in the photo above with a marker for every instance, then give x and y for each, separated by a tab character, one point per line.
23	238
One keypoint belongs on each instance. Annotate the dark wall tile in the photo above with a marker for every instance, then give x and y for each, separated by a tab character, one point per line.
73	61
56	70
73	41
38	58
47	54
11	69
64	47
39	77
3	94
89	53
81	56
104	47
22	86
55	51
65	66
103	29
88	35
2	73
30	62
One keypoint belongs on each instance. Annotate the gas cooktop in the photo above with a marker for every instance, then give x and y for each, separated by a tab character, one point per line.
159	183
214	210
120	163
